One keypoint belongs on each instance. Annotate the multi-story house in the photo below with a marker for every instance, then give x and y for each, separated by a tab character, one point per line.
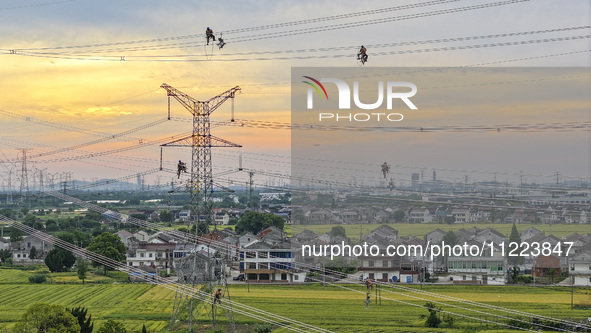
462	215
485	269
419	215
158	255
580	269
263	262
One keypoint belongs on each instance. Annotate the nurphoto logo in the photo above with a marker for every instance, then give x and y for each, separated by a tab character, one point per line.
344	99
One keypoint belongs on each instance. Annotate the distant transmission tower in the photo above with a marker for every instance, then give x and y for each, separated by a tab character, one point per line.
24	188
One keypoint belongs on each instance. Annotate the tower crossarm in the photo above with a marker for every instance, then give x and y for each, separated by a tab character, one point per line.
187	101
214	102
199	108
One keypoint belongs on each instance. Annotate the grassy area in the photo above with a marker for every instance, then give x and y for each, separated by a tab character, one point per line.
335	308
13	276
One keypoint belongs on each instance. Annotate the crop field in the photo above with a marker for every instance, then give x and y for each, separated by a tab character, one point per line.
419	229
336	308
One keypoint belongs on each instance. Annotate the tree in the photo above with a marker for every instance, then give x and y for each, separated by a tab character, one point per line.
82	269
165	216
33	222
51	225
255	201
450	238
112	326
144	330
59	260
552	273
432	319
46	318
133	201
15	235
450	219
4	255
33	253
8	213
140	216
255	222
107	245
515	274
25	211
399	215
338	230
514	237
86	325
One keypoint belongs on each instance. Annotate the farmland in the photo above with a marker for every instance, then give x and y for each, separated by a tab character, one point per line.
336	308
420	229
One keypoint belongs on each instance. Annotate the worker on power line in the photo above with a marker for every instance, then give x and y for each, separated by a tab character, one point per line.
362	55
391	185
218	296
385	169
221	42
209	34
180	168
368	283
367	301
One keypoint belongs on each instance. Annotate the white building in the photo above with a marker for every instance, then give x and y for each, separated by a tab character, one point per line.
262	262
483	269
151	254
580	269
184	215
462	215
221	218
419	215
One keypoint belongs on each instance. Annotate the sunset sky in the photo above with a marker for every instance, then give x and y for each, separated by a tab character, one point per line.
94	68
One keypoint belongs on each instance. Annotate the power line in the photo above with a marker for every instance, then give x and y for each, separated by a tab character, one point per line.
188	58
37	5
288	33
189	291
264	27
310	50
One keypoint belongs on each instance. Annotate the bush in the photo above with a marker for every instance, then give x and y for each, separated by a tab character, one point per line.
262	329
524	279
37	278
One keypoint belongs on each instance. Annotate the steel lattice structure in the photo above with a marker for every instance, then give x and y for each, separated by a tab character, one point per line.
201	141
199	269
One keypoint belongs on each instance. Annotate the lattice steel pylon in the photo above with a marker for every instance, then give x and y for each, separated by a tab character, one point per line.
205	274
201	141
196	270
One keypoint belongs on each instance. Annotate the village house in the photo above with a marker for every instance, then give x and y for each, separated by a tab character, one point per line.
580	269
263	262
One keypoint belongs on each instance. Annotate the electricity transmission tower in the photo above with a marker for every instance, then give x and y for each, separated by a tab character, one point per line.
24	187
201	141
196	268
